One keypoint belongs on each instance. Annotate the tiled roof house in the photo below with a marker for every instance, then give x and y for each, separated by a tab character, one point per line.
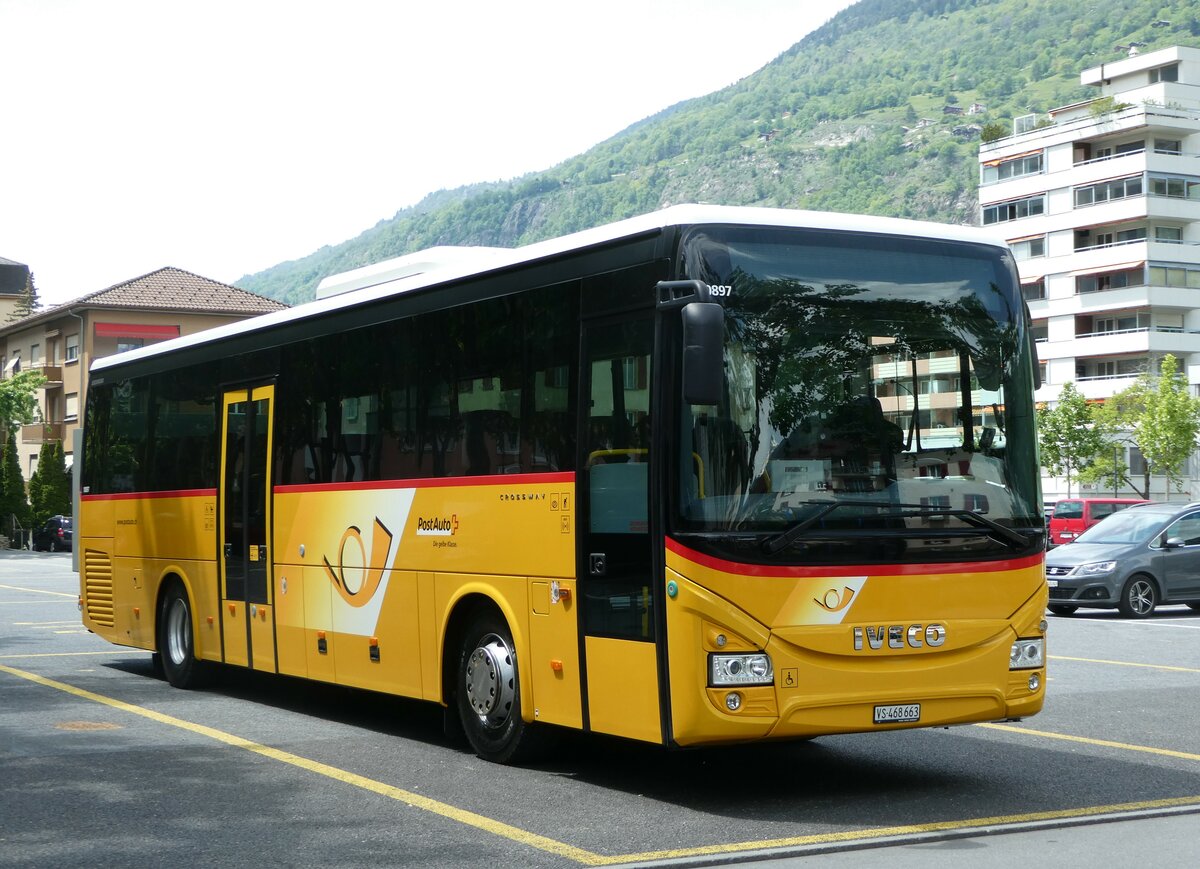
62	341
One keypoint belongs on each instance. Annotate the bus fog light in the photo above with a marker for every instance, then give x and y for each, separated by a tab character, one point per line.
1035	682
745	669
1027	654
733	701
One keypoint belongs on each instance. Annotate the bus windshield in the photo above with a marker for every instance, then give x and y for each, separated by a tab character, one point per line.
877	401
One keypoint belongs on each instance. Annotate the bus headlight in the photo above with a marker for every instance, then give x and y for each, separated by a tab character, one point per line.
1027	654
744	669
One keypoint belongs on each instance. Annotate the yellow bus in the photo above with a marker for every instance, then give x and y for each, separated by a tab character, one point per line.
703	476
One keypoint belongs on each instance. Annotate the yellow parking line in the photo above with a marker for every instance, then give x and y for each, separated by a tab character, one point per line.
912	829
1126	664
589	858
462	816
1103	743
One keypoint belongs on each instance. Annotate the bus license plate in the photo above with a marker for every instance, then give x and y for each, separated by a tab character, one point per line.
898	714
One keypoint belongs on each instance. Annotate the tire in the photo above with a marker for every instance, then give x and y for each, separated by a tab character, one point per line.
1194	606
488	692
1139	597
177	643
1061	609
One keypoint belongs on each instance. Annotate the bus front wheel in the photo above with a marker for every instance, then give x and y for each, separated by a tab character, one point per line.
176	642
489	691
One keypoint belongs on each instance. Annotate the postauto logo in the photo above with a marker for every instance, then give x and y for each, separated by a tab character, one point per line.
437	526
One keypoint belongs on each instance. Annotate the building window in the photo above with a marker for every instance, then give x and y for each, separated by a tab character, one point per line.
1165	73
72	347
1029	248
1168	146
125	344
1044	372
1015	209
1085	239
1035	291
1128	323
1109	369
1175	187
1175	276
1119	188
35	354
1168	234
72	403
1109	281
1014	167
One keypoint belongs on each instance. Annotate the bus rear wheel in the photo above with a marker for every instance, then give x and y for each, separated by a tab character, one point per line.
176	642
488	695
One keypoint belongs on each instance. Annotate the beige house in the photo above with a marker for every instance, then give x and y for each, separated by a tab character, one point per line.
61	342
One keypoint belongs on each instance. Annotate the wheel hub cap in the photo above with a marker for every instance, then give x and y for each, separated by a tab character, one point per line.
491	680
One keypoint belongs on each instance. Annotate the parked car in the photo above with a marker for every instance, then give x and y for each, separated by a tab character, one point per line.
1143	556
53	535
1073	516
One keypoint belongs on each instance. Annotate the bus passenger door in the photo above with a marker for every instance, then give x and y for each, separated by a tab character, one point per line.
248	624
615	555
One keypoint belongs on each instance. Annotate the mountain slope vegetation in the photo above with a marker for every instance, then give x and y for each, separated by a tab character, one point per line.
861	116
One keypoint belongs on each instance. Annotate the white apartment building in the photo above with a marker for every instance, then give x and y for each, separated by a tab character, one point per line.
1101	204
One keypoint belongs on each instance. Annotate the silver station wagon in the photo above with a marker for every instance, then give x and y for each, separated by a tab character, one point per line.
1134	560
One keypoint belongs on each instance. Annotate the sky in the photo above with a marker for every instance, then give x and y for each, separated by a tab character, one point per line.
224	137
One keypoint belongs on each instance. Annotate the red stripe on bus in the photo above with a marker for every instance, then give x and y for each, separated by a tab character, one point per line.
131	496
789	571
429	483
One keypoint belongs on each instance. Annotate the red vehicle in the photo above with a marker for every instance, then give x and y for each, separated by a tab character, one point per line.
1073	516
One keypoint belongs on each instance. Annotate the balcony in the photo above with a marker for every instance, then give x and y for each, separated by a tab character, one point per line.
52	373
1157	297
1119	342
41	432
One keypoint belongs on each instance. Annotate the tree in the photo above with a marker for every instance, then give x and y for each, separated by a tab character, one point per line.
18	406
1068	435
1166	429
27	302
992	131
18	398
14	505
50	485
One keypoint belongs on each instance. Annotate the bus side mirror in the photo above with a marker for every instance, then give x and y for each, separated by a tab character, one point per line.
703	352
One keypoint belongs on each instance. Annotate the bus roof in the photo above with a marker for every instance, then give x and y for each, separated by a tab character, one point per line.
440	265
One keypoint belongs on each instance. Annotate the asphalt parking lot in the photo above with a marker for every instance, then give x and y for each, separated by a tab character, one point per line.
103	763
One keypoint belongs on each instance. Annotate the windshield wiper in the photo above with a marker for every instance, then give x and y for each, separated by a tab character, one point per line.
1005	535
782	541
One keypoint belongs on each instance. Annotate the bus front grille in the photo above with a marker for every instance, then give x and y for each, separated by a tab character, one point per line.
98	588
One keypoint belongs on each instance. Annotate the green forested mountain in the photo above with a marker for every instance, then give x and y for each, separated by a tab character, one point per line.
853	118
